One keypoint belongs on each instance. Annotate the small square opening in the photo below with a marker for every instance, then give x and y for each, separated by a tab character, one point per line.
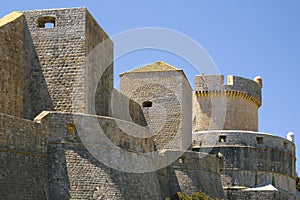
222	138
181	160
46	22
285	145
147	104
259	140
71	129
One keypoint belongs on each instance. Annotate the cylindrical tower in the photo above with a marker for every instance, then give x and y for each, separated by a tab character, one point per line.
231	106
225	122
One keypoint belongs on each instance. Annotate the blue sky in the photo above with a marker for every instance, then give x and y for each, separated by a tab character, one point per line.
245	38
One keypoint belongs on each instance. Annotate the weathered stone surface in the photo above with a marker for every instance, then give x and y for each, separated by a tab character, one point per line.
231	106
12	65
187	173
56	69
251	158
169	93
62	77
23	159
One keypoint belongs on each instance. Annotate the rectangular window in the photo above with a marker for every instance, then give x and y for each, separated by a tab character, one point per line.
285	144
222	138
46	22
259	140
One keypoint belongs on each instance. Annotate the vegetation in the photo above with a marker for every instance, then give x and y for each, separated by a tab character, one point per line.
194	196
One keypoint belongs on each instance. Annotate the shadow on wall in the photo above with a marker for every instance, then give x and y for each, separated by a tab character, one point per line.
123	107
36	95
76	167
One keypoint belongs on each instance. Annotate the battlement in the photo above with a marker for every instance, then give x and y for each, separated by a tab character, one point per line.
85	135
235	86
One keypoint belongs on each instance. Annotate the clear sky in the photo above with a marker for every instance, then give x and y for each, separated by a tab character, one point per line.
245	38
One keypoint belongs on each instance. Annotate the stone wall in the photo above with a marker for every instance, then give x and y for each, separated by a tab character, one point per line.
23	156
191	172
217	106
258	195
58	76
99	46
251	158
187	108
75	173
58	54
12	64
165	98
127	109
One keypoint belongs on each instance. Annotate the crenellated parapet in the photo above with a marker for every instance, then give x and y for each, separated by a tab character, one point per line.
226	106
235	87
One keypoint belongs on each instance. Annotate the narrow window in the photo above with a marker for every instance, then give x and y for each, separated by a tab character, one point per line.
46	22
259	140
147	104
222	138
285	144
180	160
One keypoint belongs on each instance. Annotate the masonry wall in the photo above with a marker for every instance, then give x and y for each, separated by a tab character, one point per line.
224	112
12	65
251	158
261	195
127	109
58	76
231	106
57	55
191	172
23	155
187	100
99	46
75	173
165	117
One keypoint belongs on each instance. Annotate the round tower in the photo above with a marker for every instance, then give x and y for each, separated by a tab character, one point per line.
231	106
225	121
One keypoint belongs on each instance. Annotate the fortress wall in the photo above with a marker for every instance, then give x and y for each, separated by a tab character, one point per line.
231	106
242	139
192	172
224	112
254	178
165	90
12	64
88	178
99	44
251	158
127	109
246	166
215	83
57	72
54	60
65	127
186	114
263	195
75	173
23	159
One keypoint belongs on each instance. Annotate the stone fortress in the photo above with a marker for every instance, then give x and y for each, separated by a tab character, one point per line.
213	129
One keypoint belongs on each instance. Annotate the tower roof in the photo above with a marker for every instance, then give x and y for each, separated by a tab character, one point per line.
159	66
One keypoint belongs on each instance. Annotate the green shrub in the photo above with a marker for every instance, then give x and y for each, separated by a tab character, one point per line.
194	196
